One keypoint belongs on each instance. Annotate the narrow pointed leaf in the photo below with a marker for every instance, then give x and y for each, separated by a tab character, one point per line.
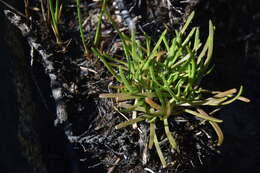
169	134
226	93
202	116
125	96
210	43
98	30
159	151
215	101
197	43
235	98
215	127
108	66
129	122
188	37
152	132
131	107
187	22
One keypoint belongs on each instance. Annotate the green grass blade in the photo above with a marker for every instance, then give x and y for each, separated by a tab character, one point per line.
98	30
86	49
52	12
57	11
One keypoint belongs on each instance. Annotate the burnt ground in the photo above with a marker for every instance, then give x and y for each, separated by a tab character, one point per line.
99	146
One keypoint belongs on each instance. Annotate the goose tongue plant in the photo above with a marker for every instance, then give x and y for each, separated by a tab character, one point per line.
163	80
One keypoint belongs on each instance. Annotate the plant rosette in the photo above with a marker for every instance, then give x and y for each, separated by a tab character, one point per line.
161	80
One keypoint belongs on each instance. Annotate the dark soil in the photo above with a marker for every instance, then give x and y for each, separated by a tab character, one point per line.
97	145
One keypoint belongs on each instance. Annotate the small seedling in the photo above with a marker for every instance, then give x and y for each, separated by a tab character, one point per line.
163	80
